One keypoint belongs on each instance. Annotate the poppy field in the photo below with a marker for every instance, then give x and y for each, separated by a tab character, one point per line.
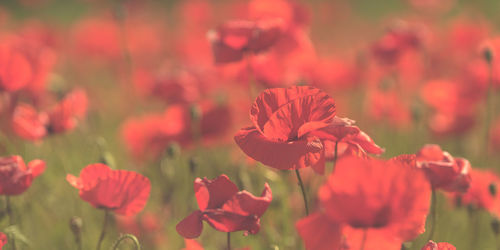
250	124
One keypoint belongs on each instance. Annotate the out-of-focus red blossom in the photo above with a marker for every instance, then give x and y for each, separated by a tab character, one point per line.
431	245
454	104
336	74
293	13
29	124
149	135
479	70
15	68
224	208
444	171
15	176
120	191
179	86
388	105
64	116
192	245
233	39
147	226
398	39
387	200
3	240
97	37
290	126
483	191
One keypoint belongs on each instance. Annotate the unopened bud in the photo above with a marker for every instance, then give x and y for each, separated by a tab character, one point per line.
495	226
75	223
487	54
493	189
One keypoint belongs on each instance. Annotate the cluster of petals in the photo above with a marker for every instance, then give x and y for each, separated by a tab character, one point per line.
224	208
233	39
16	176
120	191
148	136
388	201
30	124
483	192
451	174
290	126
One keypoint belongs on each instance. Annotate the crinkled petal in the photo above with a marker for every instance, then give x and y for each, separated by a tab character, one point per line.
280	155
214	193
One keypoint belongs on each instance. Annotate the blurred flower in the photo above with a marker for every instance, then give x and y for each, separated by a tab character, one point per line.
3	240
192	245
15	68
233	39
483	192
431	245
122	192
444	172
148	136
375	203
30	125
15	176
225	208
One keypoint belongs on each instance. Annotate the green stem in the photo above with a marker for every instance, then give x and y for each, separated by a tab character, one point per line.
335	156
127	236
8	209
304	195
433	214
103	232
228	241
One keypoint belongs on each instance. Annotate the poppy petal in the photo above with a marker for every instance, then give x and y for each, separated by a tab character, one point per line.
191	226
318	233
280	155
271	100
213	193
245	203
37	167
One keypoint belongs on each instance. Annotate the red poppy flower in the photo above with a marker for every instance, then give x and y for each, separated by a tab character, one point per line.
3	240
444	172
290	126
28	124
15	176
483	191
399	38
384	199
431	245
224	208
64	116
233	39
121	191
15	68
